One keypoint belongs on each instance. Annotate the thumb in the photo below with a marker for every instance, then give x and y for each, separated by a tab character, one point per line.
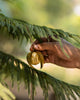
43	46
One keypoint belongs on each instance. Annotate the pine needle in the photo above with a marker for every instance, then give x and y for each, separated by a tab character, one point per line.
29	76
21	72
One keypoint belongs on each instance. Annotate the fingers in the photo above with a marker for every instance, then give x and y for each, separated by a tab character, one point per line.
49	59
44	46
41	40
49	56
37	41
46	56
46	59
40	47
44	53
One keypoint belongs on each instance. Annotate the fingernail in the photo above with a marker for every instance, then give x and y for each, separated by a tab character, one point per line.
36	46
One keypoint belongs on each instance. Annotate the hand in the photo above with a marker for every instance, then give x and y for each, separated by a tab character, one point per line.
53	53
44	48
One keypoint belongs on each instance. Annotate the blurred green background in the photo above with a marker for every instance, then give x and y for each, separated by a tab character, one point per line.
61	14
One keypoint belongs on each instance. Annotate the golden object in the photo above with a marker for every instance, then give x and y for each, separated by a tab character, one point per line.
34	58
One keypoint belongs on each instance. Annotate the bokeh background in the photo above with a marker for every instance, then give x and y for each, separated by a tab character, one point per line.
60	14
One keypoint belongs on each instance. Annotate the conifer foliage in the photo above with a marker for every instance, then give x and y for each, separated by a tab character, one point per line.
19	71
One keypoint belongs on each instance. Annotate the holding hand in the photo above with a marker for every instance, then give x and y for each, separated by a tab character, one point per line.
53	53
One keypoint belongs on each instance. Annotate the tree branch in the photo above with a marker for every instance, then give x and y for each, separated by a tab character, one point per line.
20	29
20	71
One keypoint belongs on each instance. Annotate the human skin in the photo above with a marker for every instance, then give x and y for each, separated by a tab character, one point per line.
53	53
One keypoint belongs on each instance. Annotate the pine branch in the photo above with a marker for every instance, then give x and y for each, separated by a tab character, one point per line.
20	71
20	29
